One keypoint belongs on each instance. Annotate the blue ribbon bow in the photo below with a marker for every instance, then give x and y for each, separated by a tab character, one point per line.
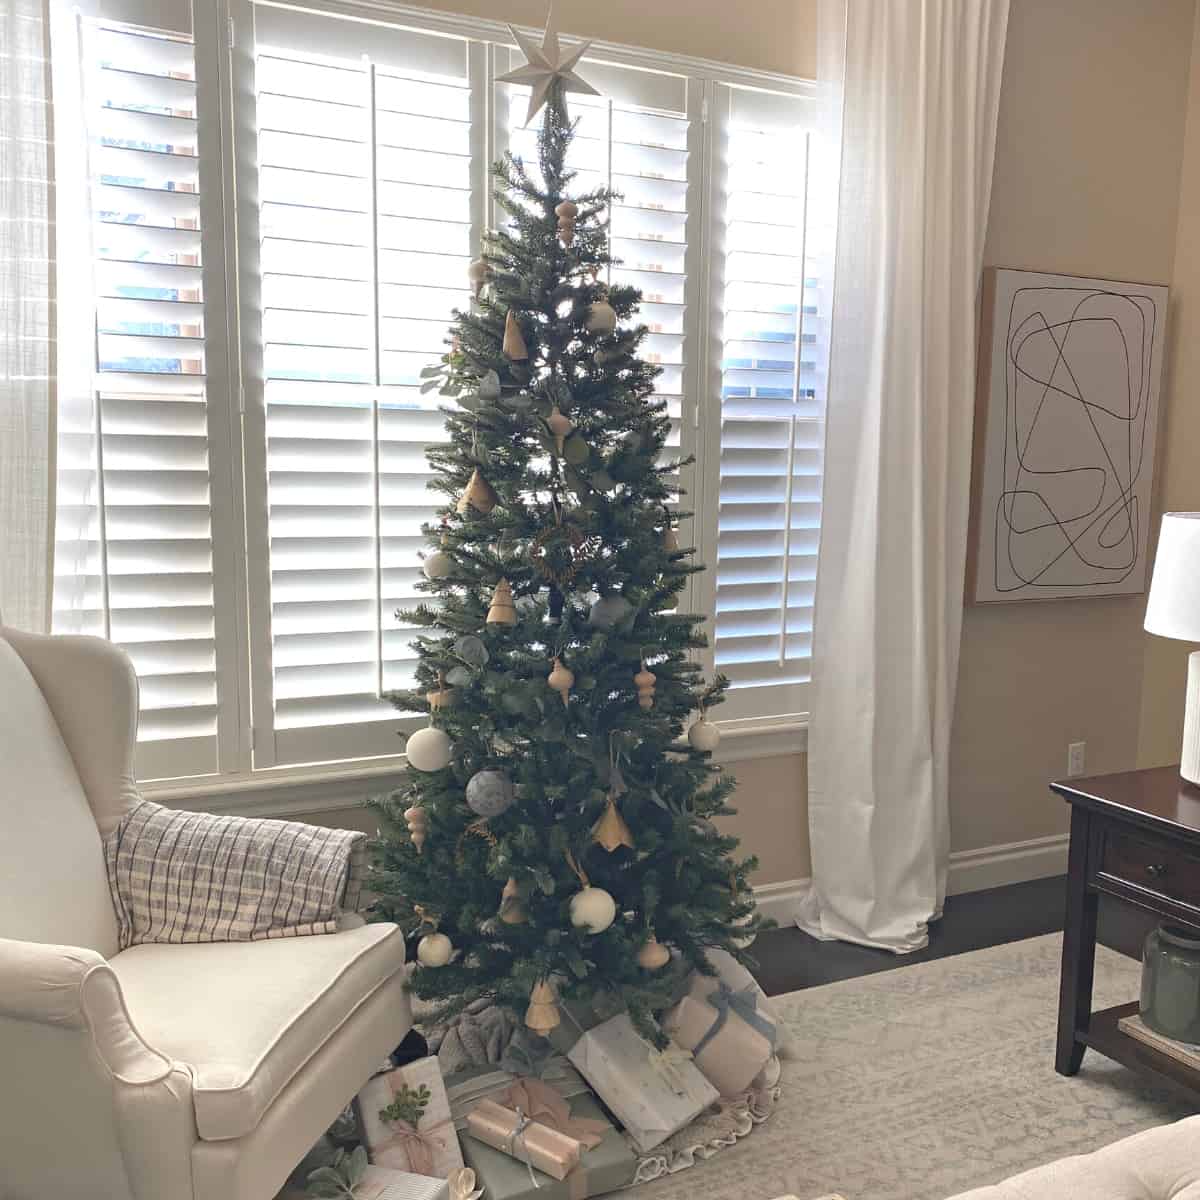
745	1004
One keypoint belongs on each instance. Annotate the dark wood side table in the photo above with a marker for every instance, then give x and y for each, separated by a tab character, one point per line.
1134	836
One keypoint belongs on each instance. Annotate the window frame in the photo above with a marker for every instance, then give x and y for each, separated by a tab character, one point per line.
250	771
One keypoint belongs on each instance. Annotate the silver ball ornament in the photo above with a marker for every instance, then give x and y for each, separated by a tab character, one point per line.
593	909
489	793
743	942
609	611
429	749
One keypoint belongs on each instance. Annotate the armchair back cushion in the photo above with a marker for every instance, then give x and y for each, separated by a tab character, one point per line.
53	886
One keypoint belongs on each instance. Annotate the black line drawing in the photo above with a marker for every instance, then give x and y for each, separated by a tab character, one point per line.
1070	491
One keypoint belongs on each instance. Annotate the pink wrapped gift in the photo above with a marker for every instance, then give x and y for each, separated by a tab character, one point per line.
511	1131
730	1040
406	1120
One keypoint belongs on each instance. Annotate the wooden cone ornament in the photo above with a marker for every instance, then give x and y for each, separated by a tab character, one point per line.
644	681
478	495
417	820
561	680
514	341
512	911
542	1015
502	611
561	427
611	831
566	212
653	956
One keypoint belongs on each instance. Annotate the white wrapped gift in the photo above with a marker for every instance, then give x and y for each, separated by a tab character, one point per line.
651	1093
384	1183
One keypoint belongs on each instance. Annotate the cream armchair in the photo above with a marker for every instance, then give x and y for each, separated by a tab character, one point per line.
193	1072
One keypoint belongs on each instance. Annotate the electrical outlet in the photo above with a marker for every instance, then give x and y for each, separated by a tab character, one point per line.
1076	757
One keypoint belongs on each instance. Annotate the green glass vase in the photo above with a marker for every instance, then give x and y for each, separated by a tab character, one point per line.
1170	1001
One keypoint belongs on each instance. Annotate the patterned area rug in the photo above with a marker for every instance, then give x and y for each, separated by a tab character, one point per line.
919	1083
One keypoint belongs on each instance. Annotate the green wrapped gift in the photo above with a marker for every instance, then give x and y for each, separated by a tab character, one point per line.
604	1168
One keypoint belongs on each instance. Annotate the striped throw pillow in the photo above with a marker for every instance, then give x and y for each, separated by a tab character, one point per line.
199	877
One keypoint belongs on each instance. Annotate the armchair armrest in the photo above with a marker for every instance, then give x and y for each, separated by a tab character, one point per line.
73	988
64	1024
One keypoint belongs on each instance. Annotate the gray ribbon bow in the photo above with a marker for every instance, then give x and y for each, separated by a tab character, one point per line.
745	1004
523	1123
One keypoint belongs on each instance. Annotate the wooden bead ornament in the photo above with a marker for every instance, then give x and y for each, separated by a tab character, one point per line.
478	495
542	1015
566	212
560	427
417	820
644	681
442	696
512	911
514	340
434	950
502	610
653	956
612	830
601	318
670	539
561	680
477	273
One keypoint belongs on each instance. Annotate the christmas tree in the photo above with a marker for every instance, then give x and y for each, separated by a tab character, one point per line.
553	838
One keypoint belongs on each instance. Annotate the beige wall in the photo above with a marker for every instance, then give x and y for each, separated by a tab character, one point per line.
1161	723
1086	182
768	35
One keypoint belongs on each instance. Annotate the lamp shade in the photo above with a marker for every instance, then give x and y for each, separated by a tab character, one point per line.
1173	609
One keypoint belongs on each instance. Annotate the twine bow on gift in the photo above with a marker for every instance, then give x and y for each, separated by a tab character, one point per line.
547	1107
667	1063
419	1145
745	1004
518	1131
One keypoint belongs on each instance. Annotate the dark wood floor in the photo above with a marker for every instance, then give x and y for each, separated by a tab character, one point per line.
790	960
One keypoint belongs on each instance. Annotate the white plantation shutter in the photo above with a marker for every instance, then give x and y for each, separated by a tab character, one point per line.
637	138
134	473
770	331
367	183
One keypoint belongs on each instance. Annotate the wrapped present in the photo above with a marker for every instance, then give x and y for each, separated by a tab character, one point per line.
578	1018
734	975
652	1093
605	1167
555	1094
516	1133
730	1040
406	1120
383	1183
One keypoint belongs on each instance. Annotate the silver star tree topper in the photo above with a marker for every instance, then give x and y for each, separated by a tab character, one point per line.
546	63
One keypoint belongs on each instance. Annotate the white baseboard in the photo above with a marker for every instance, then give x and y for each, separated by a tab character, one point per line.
1013	862
970	871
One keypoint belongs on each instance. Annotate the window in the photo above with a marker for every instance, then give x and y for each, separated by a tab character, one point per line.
243	487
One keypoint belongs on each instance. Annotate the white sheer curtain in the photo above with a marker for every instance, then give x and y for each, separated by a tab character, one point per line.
920	83
27	427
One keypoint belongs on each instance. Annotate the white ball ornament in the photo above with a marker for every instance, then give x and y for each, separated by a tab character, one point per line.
489	793
437	565
434	950
704	735
601	318
593	909
429	749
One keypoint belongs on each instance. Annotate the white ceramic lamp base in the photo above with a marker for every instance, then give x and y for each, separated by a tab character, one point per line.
1189	761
